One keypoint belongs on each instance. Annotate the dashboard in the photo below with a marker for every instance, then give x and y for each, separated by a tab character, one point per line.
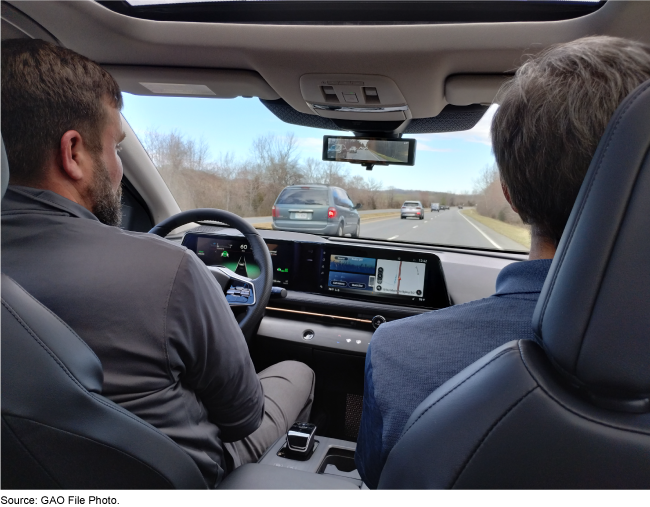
360	273
336	294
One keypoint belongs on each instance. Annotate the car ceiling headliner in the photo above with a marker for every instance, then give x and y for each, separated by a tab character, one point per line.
419	58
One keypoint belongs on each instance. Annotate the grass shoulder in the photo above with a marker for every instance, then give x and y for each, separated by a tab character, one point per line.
514	232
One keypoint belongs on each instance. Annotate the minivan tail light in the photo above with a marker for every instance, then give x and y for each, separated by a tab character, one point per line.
275	213
331	213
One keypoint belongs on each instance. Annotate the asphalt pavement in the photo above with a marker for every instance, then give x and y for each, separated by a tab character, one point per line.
363	155
448	227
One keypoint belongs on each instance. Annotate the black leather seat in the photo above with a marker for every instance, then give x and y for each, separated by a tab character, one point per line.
58	431
573	409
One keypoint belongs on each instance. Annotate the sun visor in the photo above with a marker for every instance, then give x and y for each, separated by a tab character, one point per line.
466	89
182	82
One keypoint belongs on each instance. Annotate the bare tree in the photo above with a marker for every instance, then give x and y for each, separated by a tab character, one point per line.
227	169
278	156
490	199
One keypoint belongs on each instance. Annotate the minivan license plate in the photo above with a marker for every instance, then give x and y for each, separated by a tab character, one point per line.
301	216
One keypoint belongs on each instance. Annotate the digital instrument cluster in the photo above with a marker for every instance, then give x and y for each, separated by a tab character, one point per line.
353	272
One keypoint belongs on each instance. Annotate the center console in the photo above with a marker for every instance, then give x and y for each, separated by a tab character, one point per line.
329	465
330	457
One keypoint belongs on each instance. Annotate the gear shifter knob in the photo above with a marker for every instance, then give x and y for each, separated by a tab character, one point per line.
300	439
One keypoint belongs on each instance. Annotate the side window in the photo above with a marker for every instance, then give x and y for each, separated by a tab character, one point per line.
348	200
135	212
339	198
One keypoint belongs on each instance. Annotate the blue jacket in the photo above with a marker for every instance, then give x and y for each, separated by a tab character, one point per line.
410	358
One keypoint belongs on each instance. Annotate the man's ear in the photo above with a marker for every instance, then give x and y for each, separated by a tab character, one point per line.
75	158
506	194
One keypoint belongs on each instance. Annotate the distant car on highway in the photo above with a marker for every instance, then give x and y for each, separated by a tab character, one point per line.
316	209
460	207
412	209
353	149
435	206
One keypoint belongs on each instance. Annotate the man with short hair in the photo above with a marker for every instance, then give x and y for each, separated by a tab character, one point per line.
544	134
171	349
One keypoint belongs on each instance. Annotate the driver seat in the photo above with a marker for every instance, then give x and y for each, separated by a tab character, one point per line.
571	410
58	431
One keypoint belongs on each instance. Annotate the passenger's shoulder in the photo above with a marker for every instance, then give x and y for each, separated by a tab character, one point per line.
433	316
430	323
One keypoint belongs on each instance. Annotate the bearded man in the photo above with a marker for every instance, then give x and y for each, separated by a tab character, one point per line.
171	349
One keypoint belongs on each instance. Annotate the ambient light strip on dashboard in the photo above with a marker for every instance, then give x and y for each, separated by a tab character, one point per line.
318	314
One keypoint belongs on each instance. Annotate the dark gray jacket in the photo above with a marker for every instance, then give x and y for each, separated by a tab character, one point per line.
171	349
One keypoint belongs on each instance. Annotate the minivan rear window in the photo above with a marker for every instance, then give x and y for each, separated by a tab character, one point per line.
312	196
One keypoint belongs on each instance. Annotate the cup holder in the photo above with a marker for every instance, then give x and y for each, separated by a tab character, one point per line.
339	462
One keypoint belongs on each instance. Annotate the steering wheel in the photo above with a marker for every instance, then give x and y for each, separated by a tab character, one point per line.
259	289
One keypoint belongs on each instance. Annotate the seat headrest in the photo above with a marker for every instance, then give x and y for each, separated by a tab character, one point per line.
593	314
5	169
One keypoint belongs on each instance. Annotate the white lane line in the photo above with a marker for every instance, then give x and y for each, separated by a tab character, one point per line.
479	230
415	226
393	237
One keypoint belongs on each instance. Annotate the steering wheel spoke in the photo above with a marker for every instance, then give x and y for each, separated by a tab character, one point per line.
239	290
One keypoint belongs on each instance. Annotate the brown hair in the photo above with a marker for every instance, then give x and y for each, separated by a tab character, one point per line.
46	91
551	117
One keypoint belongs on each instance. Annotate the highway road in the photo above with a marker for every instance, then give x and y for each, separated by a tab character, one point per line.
363	155
448	227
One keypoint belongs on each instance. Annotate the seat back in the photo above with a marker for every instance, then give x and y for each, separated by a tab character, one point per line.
571	410
58	431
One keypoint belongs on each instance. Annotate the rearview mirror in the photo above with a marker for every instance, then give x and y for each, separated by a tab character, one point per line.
369	150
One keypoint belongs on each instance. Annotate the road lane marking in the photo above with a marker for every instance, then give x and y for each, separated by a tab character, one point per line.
479	230
415	226
393	237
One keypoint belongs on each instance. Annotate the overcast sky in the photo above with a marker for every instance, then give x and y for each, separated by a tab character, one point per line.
444	162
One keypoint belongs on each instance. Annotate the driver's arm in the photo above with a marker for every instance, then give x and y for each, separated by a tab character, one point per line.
207	351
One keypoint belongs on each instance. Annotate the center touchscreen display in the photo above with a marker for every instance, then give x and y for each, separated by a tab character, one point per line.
377	276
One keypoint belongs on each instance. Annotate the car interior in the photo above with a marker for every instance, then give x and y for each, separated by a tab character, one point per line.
574	413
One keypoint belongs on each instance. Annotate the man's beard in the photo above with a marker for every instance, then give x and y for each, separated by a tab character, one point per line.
107	203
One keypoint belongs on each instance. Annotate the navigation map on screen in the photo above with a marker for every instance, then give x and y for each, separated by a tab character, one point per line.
401	278
377	276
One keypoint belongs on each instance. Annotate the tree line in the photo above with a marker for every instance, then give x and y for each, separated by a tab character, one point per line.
490	201
250	186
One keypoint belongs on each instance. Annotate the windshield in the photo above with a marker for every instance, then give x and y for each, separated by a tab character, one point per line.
234	154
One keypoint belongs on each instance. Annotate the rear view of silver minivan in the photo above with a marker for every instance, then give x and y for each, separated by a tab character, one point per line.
316	209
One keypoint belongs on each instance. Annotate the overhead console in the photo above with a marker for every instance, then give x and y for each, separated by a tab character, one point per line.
360	273
354	97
